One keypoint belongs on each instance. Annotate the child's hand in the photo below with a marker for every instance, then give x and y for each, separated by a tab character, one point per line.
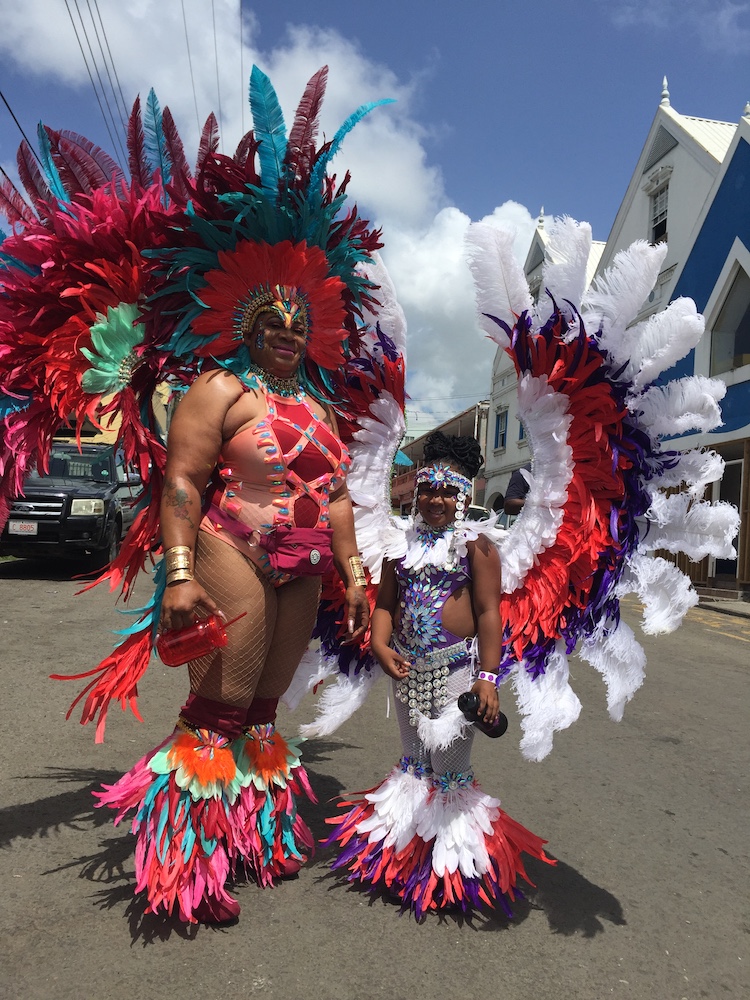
489	700
393	664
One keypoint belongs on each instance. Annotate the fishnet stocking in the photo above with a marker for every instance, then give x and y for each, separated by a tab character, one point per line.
457	757
264	648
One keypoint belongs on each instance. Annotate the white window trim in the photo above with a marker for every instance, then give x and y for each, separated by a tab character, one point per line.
738	257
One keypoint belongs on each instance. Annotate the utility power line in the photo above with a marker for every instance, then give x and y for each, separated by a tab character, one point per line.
91	78
118	91
190	64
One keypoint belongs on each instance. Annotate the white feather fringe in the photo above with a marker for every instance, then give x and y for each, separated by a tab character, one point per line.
547	704
314	667
665	592
340	701
614	298
696	467
679	524
439	733
567	253
547	421
654	345
500	283
372	451
620	659
390	316
398	803
683	405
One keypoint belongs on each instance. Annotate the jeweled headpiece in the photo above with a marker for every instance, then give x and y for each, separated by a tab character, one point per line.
276	235
288	302
440	474
291	279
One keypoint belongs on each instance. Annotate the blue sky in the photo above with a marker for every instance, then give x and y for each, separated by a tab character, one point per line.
502	108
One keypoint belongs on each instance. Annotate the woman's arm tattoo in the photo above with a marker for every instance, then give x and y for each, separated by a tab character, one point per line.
177	499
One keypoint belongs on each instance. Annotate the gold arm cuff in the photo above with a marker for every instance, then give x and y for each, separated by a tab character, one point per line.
355	564
178	575
177	557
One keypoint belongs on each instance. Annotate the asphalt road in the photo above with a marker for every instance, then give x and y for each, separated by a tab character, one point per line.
648	820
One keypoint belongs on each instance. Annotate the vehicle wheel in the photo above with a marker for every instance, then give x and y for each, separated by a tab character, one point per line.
104	556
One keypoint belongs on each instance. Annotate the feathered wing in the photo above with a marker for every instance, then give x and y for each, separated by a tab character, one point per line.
74	347
597	504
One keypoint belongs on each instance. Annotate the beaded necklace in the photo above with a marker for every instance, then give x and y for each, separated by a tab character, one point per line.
278	386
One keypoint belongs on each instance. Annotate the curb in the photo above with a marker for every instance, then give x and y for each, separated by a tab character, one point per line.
708	606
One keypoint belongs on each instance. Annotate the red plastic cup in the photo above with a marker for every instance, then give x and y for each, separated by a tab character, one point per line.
180	645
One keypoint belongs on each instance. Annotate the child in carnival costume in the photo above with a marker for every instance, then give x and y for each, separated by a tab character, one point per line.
607	490
428	832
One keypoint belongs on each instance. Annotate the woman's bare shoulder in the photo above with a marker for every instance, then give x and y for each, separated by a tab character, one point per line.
217	382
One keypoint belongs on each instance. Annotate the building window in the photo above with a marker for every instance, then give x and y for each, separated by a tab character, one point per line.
521	431
730	336
501	428
659	215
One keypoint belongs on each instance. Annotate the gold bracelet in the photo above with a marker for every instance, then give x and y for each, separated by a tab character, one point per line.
179	575
177	557
355	564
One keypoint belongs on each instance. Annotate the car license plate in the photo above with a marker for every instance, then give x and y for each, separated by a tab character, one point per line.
22	527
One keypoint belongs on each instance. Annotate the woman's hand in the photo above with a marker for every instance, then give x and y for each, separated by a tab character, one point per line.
489	700
181	602
357	614
391	662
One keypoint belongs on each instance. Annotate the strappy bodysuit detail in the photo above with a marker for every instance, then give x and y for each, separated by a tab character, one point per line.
280	470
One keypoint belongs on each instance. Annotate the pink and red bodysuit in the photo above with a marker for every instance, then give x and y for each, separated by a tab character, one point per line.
282	469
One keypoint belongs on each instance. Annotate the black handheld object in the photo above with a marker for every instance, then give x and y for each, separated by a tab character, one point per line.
468	702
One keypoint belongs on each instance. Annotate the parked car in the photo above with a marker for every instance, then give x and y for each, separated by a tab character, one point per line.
80	509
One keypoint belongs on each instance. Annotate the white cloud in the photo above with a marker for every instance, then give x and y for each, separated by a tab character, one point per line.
450	361
718	25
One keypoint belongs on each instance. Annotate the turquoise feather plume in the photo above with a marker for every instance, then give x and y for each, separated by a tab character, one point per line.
54	182
269	128
156	145
113	341
321	165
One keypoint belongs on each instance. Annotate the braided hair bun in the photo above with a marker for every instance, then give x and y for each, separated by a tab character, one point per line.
462	452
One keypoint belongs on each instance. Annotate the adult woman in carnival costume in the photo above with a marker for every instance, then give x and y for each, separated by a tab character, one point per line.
250	287
428	832
606	492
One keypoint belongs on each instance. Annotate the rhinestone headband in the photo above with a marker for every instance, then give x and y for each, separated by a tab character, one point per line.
441	474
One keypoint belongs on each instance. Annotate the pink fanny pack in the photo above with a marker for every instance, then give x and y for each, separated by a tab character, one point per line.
296	551
299	551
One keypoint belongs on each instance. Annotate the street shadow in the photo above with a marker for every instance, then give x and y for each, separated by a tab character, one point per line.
337	881
571	904
111	866
56	570
73	809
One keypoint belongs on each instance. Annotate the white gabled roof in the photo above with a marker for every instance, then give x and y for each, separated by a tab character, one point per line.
715	137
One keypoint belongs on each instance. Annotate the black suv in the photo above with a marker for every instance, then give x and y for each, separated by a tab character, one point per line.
81	508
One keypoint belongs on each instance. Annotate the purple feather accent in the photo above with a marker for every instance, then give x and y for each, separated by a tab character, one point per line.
33	179
181	176
300	149
92	161
209	141
140	172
